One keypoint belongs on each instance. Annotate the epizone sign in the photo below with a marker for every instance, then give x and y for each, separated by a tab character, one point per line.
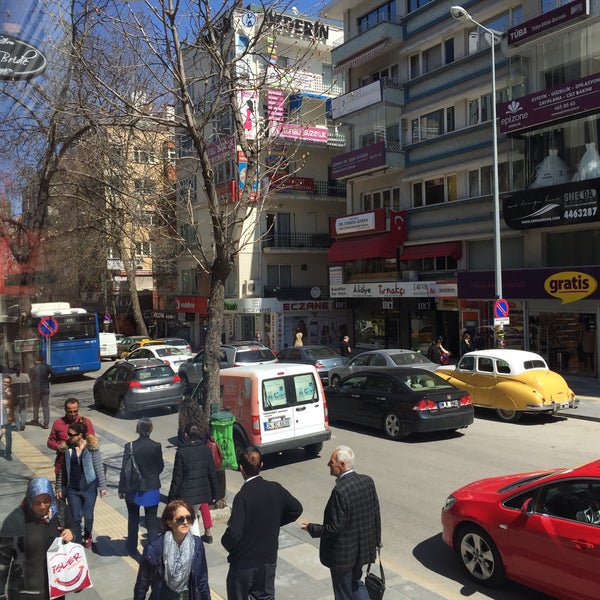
570	286
19	60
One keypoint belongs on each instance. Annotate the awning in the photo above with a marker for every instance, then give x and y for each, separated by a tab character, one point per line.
360	58
453	249
375	246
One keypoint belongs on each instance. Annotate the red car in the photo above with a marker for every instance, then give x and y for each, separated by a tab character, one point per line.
539	529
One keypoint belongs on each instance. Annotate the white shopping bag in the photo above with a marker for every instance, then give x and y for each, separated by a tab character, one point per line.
67	568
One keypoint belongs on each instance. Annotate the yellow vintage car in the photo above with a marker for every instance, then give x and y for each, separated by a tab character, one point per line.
511	382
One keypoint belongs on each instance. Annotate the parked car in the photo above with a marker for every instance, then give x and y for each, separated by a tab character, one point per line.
172	355
234	354
125	343
108	345
134	385
511	382
141	344
181	343
323	358
540	529
381	358
399	401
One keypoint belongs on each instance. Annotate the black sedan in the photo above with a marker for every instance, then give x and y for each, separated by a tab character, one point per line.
399	400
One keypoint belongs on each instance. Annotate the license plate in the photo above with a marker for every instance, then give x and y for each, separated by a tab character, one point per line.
163	386
72	368
448	404
276	424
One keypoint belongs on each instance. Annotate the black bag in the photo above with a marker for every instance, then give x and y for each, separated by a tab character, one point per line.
131	473
375	585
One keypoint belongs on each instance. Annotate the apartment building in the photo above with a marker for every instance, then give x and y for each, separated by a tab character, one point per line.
417	112
280	282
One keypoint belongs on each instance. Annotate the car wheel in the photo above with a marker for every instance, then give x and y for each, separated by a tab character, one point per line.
392	426
509	416
122	410
335	380
479	556
313	450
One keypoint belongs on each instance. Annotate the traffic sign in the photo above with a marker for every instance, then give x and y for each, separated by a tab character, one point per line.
47	326
501	308
502	321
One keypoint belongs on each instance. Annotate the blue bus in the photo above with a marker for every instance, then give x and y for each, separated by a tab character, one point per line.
75	347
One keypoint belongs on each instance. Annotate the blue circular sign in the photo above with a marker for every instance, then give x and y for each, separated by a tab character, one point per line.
47	326
501	308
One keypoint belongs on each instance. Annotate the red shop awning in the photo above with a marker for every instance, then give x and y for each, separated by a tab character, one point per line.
453	249
374	246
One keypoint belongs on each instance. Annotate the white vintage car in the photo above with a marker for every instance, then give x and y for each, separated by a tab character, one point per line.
511	382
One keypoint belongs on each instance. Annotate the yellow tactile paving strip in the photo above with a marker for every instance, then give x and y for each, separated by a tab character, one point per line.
107	520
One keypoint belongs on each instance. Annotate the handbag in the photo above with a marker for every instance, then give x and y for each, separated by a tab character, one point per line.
67	568
216	452
375	584
131	472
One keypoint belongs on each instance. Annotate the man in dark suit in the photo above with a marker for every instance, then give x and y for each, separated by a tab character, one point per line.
259	509
351	529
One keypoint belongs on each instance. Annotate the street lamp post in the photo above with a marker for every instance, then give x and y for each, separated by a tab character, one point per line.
460	14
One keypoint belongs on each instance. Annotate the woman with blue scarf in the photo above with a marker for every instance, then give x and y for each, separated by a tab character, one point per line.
174	565
25	536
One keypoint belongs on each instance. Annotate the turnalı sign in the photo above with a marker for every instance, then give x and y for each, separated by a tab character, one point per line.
19	60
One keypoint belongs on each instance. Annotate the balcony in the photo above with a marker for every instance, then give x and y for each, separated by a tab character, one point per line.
367	38
291	242
320	189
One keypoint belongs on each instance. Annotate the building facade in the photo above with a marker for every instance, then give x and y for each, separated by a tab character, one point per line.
418	117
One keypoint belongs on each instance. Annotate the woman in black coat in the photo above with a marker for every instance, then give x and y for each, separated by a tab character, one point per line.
194	476
149	460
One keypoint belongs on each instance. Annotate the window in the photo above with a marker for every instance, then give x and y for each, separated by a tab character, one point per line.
388	198
384	13
431	125
143	249
431	191
144	156
548	5
414	4
279	276
432	58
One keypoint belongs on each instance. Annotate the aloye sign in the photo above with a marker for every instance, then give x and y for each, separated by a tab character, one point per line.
19	60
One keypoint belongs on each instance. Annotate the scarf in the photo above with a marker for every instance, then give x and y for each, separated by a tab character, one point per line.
177	559
36	487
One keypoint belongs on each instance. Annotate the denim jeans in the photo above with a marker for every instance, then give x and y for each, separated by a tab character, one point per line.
82	503
8	429
133	523
348	585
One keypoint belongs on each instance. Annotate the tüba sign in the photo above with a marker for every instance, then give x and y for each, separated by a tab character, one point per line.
19	60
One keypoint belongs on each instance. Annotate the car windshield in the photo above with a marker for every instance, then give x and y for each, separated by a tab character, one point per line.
254	355
534	364
409	358
324	352
155	372
169	352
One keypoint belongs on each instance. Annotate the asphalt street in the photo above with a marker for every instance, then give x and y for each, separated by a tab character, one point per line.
299	573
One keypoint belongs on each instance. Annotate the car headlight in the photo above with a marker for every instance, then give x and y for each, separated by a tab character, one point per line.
450	500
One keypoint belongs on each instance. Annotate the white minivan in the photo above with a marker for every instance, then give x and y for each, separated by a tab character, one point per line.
108	345
276	407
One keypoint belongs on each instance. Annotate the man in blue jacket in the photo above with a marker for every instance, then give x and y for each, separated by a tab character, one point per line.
351	529
259	509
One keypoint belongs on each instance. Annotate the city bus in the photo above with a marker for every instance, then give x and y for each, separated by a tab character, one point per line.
75	346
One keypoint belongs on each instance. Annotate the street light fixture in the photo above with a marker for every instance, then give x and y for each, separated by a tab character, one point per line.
460	14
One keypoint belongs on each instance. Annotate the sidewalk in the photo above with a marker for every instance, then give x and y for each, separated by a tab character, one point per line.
587	390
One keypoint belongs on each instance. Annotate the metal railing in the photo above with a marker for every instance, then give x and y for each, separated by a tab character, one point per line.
297	240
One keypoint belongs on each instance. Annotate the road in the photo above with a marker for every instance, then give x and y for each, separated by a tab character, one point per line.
413	477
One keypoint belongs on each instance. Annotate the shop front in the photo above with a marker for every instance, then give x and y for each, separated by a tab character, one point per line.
192	315
553	311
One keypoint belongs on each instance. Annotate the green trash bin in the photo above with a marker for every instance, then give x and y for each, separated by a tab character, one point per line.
221	424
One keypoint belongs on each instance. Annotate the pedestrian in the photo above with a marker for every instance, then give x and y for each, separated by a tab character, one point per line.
298	340
434	352
258	338
39	376
465	343
259	510
59	434
7	415
190	411
148	457
80	479
345	349
20	382
174	565
445	358
351	529
194	475
25	536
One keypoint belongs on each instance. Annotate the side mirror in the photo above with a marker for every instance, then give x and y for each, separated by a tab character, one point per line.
528	507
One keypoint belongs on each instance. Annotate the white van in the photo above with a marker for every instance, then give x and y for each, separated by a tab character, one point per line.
108	345
276	407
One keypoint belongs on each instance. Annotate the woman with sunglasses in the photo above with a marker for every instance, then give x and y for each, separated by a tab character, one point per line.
174	565
81	478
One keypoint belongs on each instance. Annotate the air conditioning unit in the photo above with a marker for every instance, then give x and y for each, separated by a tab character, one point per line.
410	276
253	287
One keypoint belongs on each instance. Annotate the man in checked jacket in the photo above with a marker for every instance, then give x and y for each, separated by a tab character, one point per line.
351	529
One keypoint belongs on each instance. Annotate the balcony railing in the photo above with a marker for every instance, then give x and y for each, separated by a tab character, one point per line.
295	292
315	241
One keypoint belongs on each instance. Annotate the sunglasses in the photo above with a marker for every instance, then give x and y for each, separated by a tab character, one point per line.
186	519
72	434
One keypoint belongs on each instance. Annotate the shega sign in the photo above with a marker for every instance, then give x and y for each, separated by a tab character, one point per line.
570	286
